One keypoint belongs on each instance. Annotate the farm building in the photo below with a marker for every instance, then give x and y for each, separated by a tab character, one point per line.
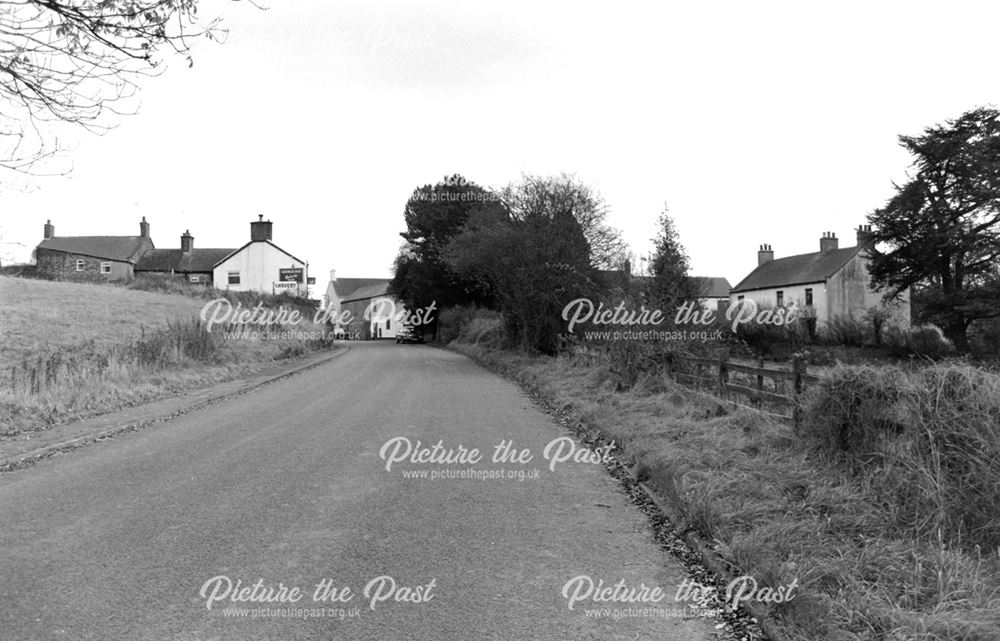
259	265
713	291
110	257
194	265
833	282
373	313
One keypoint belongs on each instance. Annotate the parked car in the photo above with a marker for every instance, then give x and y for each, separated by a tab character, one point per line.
408	334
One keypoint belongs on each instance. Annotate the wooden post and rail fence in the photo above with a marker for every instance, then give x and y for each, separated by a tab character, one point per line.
773	390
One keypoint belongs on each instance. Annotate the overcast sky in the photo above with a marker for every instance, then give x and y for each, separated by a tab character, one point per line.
755	122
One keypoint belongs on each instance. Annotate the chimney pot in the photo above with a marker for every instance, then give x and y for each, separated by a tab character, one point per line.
260	229
765	254
828	242
865	236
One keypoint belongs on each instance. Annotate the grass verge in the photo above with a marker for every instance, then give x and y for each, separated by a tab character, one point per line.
776	508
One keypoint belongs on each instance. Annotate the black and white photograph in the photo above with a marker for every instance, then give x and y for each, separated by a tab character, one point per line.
337	320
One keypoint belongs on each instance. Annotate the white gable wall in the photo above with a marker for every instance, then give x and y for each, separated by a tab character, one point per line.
258	264
385	316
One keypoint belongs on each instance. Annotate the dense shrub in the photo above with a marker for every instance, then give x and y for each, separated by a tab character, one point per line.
451	320
772	341
984	337
630	361
851	409
846	330
928	440
484	328
878	319
923	340
470	325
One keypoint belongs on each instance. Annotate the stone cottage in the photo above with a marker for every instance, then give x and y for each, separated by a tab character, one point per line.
110	257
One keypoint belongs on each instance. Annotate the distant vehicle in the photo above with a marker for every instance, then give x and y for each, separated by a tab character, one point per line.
407	334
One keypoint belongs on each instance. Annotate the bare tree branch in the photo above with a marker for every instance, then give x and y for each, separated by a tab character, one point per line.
78	62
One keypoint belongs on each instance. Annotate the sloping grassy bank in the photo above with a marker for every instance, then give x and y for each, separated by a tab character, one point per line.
72	350
780	508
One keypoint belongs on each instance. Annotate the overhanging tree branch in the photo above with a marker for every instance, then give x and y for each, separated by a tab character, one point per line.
77	62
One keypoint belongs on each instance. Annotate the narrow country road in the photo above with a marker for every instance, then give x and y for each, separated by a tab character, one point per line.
286	486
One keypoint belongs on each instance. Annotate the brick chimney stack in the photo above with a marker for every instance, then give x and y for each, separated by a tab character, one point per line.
765	254
828	242
865	236
260	229
143	228
50	230
187	241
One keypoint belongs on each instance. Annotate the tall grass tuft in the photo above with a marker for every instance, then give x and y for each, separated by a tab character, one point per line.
927	440
852	410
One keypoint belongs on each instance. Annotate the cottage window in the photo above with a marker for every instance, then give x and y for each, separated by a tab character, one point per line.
79	265
739	299
388	324
195	278
105	268
781	298
234	278
809	297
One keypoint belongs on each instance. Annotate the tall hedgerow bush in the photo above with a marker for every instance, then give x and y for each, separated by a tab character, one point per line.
927	439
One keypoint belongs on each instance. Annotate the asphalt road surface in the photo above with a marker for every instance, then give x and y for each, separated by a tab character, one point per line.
220	524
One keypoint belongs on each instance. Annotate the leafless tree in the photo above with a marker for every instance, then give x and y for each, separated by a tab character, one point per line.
552	195
78	62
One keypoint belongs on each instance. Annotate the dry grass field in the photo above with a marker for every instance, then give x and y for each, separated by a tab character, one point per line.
40	315
71	350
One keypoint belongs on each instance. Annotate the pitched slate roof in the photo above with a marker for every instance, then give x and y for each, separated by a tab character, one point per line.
175	260
712	286
121	248
797	270
348	289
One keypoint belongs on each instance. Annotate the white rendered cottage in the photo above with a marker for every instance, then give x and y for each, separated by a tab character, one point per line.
261	266
831	282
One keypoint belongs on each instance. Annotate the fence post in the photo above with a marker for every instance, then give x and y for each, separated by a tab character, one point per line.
723	372
760	382
798	370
